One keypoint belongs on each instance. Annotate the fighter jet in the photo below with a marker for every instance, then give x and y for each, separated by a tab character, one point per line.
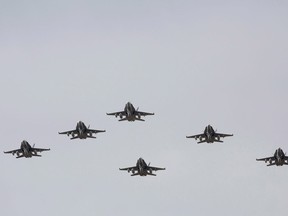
81	132
130	113
26	150
279	158
209	135
142	168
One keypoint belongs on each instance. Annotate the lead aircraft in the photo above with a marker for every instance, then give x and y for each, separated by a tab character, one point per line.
209	135
26	150
130	113
279	158
142	168
81	132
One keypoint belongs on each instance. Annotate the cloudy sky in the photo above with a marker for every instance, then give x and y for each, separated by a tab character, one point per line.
193	63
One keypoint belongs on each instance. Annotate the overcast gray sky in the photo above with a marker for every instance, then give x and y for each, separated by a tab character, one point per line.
193	63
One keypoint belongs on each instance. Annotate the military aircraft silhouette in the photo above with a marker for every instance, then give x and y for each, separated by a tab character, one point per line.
81	132
209	135
130	113
26	150
279	158
142	168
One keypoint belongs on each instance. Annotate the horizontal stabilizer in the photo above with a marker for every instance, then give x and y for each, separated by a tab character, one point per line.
20	156
203	141
135	174
123	119
218	141
138	119
271	164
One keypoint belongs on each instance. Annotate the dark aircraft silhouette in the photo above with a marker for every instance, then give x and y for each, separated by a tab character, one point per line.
279	158
130	113
81	132
209	135
26	150
142	168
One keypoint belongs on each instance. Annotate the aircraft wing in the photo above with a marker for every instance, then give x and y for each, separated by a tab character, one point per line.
96	131
13	151
266	159
195	136
68	132
155	168
143	113
117	113
223	135
40	150
128	168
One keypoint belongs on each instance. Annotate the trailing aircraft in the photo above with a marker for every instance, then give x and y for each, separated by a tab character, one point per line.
26	150
82	132
130	113
279	158
142	168
209	135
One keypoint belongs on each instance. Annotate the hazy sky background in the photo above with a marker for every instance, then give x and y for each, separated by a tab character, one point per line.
193	63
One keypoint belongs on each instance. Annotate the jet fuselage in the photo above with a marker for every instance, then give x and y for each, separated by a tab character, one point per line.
141	168
130	112
210	134
27	149
279	156
82	130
